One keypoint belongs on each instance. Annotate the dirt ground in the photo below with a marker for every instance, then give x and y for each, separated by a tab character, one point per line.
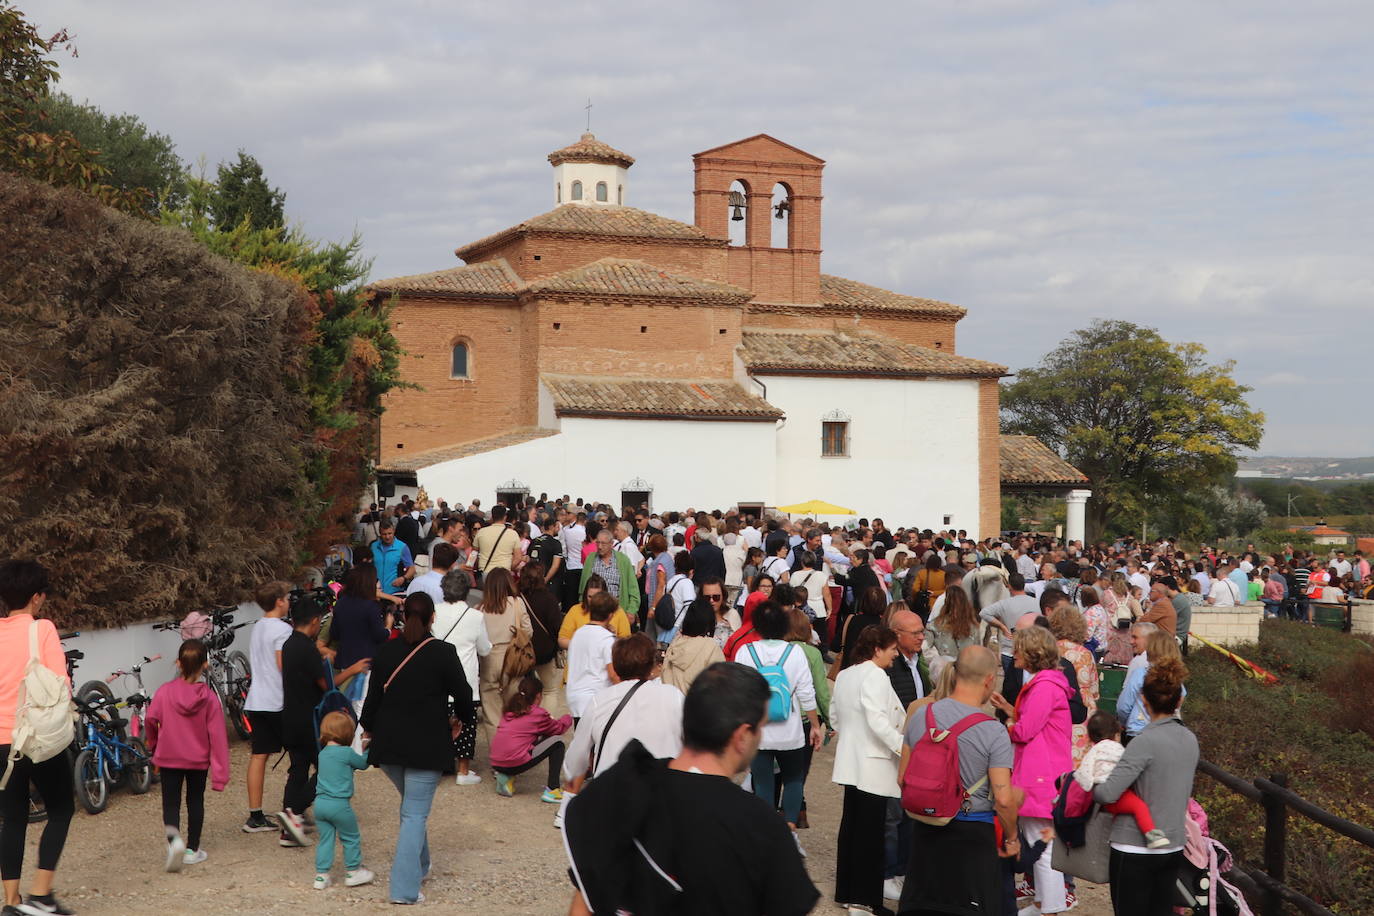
491	855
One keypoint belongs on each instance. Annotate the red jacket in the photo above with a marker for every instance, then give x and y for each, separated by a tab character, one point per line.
516	736
739	639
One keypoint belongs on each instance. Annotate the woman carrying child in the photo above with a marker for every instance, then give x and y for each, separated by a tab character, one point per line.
185	732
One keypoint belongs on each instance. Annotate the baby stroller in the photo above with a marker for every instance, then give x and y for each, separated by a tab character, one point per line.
1202	891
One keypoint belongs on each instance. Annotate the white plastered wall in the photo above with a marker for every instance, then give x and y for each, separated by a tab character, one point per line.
913	447
589	173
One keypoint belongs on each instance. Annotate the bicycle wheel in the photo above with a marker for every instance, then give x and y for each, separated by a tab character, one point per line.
237	680
137	764
92	690
91	789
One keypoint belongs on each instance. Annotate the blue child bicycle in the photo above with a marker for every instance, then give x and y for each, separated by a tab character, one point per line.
106	758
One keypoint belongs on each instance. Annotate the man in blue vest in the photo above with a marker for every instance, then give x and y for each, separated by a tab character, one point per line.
392	559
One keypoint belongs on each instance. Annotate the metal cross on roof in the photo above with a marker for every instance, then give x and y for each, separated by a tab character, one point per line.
589	115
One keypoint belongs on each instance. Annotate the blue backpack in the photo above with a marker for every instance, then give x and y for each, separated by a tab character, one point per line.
779	689
334	700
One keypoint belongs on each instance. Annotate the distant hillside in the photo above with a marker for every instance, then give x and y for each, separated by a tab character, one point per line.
1329	468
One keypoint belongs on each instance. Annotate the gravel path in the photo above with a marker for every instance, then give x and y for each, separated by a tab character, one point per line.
491	855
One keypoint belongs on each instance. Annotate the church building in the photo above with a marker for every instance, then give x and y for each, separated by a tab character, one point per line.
610	353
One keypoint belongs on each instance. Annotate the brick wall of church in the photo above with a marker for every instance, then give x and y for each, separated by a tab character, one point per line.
650	341
499	395
559	254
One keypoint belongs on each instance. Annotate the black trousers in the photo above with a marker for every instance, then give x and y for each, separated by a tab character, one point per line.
550	749
194	780
299	793
1143	885
859	859
53	780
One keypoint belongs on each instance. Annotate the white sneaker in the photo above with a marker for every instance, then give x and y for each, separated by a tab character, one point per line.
796	839
176	853
892	888
322	882
467	779
194	857
358	877
292	826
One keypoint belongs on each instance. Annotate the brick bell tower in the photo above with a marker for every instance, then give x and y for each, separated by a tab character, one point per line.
775	189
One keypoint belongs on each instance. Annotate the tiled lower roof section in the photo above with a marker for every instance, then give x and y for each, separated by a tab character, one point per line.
1028	461
626	277
485	280
417	460
596	219
838	353
839	292
601	396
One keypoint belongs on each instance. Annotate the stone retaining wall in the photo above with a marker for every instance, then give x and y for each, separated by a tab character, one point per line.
1228	626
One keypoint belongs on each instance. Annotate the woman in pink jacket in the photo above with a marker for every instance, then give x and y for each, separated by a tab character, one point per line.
1042	736
187	737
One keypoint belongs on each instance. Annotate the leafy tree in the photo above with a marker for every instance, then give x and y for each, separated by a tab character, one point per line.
242	193
136	158
29	145
1144	419
352	358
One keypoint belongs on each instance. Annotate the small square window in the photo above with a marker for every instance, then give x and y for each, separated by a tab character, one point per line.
540	257
643	329
557	325
834	439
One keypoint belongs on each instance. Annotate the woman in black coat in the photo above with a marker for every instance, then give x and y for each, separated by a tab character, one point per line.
416	680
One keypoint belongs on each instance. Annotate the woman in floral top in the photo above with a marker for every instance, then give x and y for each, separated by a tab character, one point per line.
1070	629
1095	615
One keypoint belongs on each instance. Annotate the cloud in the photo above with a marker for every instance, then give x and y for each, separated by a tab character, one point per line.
1200	168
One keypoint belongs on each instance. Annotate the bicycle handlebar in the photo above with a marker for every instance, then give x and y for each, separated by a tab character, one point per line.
72	635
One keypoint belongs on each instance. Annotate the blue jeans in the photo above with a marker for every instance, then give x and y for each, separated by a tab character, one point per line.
791	770
410	865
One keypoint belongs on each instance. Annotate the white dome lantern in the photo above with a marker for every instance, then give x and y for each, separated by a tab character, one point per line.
590	172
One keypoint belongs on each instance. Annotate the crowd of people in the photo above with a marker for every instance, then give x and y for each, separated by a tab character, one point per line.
698	660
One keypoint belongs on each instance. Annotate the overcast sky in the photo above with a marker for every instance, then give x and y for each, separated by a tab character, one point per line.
1203	168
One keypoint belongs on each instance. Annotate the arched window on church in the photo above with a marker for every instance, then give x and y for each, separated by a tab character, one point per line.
738	202
460	366
560	192
780	232
620	194
577	190
601	192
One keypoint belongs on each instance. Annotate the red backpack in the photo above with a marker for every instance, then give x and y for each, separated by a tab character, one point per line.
932	790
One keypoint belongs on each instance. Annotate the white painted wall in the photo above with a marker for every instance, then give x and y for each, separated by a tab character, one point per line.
589	173
107	650
705	464
913	448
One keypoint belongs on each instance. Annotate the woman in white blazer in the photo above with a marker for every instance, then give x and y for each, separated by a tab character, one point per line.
868	717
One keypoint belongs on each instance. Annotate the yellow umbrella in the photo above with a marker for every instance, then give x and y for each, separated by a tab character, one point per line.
815	507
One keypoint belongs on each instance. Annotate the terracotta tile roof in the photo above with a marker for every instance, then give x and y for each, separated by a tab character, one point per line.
837	353
1026	461
599	220
590	149
429	457
487	279
626	277
586	396
837	291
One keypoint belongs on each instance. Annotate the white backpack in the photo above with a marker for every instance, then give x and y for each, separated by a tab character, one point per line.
45	717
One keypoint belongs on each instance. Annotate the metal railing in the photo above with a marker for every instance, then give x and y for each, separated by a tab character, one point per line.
1266	885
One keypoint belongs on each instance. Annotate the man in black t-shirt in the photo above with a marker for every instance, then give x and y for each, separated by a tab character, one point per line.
639	822
547	551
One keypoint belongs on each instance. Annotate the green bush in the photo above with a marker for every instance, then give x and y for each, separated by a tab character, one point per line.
1295	728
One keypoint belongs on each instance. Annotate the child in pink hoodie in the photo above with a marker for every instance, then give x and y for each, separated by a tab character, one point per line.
186	735
528	734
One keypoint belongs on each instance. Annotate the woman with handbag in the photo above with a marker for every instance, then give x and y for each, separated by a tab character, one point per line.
463	627
868	718
510	632
407	723
546	618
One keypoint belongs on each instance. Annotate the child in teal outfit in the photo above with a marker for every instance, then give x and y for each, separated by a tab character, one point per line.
333	811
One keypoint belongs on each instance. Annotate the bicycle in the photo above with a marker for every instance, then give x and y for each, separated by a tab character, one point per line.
137	701
107	761
229	674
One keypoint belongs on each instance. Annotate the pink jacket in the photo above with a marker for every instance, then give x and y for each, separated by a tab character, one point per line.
516	736
1043	739
186	730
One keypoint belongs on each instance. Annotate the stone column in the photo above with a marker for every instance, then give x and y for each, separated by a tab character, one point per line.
1075	527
